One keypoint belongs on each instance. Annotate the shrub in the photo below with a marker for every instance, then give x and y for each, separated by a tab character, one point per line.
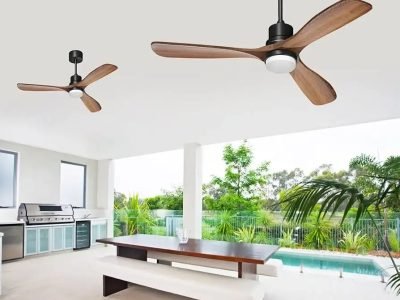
354	242
159	230
245	235
136	215
318	235
262	238
265	218
287	239
393	241
225	225
208	232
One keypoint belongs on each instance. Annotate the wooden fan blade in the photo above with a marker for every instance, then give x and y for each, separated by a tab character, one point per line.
329	20
317	89
179	50
90	103
42	88
97	74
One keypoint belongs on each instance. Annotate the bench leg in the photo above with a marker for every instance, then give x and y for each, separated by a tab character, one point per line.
164	262
247	271
112	285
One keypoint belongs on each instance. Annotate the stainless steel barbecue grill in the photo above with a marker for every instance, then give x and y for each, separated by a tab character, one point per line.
36	214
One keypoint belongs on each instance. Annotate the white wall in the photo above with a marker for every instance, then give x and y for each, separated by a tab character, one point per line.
39	179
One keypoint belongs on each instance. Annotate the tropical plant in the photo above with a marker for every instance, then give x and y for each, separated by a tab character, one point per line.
208	231
287	239
319	231
225	224
264	218
136	216
245	235
354	242
377	186
117	228
262	238
393	241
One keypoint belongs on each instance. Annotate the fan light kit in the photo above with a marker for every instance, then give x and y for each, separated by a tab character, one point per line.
281	54
281	62
77	86
75	93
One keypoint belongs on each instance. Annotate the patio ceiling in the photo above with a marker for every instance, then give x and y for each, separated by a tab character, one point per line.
155	104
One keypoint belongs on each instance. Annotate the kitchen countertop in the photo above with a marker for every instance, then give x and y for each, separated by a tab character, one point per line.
11	222
91	219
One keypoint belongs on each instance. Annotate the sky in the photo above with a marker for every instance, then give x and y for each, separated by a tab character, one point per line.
148	175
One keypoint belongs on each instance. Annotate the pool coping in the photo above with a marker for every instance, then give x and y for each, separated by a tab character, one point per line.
382	262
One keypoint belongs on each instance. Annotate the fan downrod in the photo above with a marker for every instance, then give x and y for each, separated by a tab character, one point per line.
279	31
75	57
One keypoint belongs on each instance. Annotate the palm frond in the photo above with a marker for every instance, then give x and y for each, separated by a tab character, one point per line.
365	164
301	200
392	167
394	283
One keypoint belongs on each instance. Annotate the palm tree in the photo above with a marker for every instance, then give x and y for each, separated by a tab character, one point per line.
375	188
136	215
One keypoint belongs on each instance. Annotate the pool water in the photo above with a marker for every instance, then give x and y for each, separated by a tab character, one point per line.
351	265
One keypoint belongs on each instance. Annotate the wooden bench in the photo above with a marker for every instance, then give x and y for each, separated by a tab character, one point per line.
271	268
118	271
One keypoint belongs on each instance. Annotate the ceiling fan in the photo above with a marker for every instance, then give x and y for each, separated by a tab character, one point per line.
77	86
281	53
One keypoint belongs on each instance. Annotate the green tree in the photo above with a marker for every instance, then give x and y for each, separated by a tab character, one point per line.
284	180
240	178
325	172
172	200
241	188
232	202
119	200
155	202
377	186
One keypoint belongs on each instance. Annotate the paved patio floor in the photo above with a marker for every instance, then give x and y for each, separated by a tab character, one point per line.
73	275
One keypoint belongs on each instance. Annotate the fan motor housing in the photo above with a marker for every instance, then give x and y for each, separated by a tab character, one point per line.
279	32
75	79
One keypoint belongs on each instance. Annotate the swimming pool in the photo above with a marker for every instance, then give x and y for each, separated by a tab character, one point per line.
327	262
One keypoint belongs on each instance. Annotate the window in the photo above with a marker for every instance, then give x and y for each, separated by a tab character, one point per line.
73	184
8	178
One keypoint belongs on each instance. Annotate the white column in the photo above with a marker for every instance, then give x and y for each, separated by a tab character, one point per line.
105	191
192	190
1	257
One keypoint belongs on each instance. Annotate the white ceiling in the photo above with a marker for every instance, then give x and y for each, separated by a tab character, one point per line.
154	104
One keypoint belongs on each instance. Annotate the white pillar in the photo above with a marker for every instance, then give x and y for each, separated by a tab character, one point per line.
192	190
105	191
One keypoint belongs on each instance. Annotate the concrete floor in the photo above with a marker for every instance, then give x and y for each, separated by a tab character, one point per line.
73	275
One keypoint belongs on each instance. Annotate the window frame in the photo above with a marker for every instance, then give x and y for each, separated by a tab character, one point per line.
15	178
84	181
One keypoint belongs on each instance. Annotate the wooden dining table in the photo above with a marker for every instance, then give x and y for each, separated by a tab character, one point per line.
247	256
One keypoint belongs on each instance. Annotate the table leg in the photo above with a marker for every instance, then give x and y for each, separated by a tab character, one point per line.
247	271
133	253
